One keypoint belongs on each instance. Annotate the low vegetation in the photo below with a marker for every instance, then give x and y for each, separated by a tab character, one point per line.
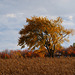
17	62
38	66
70	51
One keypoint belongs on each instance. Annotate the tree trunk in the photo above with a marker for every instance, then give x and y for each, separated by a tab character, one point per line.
51	53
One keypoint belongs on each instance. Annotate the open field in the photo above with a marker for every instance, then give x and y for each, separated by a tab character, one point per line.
38	66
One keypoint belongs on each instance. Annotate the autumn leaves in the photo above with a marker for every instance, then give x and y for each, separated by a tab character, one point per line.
42	32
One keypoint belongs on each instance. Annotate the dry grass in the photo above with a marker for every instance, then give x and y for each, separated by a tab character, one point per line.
38	66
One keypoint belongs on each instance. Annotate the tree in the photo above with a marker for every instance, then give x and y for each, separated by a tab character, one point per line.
41	32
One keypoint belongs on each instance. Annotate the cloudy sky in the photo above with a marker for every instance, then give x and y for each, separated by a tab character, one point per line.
13	15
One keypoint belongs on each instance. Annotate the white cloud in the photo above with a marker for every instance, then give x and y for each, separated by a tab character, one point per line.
68	24
41	9
9	39
21	13
0	33
65	1
10	15
53	17
70	17
13	15
10	46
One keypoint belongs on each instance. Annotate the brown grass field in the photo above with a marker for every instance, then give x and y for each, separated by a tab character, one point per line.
38	66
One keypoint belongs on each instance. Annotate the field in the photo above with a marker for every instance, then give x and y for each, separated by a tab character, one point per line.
38	66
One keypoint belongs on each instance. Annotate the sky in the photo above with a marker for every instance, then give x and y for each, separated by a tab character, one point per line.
13	14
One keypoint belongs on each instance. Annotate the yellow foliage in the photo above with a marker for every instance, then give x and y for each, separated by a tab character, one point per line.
40	31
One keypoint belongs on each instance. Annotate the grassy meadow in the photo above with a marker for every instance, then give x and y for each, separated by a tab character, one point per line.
38	66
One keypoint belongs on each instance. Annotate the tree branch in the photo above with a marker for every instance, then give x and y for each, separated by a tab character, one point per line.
61	38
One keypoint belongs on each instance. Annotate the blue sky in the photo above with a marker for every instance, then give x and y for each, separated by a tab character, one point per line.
13	15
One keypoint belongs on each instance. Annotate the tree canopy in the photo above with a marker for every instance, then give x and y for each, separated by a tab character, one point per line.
42	32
